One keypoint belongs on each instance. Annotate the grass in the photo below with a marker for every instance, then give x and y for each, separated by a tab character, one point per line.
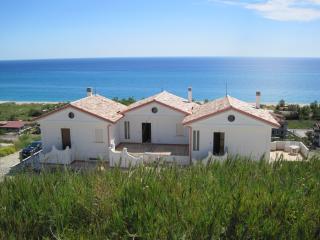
12	111
237	199
300	124
23	141
4	151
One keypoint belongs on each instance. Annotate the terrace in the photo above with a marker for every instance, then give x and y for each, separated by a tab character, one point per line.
288	150
138	149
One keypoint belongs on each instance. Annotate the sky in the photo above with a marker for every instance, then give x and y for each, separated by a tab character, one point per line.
42	29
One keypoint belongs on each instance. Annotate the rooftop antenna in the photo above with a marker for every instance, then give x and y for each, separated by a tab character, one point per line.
226	88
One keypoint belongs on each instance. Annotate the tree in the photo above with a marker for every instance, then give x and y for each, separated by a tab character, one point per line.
304	112
282	103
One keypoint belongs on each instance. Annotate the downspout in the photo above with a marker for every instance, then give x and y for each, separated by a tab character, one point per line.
109	135
190	144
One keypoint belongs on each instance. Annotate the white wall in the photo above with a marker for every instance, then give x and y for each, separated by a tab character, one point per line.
82	131
245	136
163	125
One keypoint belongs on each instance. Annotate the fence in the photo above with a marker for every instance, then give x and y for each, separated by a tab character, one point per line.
285	146
124	159
57	156
32	161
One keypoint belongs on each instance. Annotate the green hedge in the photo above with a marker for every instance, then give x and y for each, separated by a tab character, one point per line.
238	199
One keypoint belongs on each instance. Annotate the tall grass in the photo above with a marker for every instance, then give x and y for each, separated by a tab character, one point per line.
237	199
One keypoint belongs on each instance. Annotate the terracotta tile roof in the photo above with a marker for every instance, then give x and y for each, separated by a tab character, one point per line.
168	99
97	106
226	103
101	107
12	124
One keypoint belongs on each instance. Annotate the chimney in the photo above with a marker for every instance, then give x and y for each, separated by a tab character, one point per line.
258	96
189	94
89	91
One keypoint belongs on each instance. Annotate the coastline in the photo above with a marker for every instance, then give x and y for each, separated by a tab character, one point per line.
31	102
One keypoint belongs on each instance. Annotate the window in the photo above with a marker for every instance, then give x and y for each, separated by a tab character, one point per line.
126	130
99	135
196	139
154	110
71	115
231	118
179	129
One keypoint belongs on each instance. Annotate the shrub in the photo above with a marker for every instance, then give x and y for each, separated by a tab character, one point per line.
34	112
4	151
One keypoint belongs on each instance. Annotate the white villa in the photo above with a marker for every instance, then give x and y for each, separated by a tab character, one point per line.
160	126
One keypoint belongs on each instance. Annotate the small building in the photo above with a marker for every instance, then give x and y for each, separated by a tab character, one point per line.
165	123
280	132
12	126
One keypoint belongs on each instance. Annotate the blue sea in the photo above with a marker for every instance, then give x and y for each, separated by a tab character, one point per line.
293	79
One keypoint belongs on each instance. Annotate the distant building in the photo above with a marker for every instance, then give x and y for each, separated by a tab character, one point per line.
12	126
280	132
316	138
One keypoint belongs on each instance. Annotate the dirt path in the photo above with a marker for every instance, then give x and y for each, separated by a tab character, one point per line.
7	162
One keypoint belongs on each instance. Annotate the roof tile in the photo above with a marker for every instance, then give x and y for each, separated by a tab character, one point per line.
100	106
167	99
226	103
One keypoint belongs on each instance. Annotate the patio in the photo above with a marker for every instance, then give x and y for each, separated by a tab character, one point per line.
159	149
277	155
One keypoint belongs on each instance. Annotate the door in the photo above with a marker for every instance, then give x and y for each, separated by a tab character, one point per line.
218	143
66	138
146	132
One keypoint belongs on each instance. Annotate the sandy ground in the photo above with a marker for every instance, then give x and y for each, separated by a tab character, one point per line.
28	102
7	162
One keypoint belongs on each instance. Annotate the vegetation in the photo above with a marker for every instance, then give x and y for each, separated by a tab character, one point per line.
237	199
4	151
25	112
125	101
298	112
300	124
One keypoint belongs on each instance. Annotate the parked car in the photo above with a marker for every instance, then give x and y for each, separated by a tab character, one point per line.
31	149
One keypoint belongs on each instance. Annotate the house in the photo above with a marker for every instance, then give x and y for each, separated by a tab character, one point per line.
228	125
163	123
12	126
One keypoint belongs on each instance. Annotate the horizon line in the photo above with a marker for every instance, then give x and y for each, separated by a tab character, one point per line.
140	57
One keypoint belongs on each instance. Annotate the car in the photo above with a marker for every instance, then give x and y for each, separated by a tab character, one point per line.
31	149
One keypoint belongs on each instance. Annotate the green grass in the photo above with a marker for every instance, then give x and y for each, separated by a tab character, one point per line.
238	199
12	111
300	124
4	151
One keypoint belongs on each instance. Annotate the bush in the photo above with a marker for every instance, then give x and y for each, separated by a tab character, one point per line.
34	112
237	199
25	140
4	151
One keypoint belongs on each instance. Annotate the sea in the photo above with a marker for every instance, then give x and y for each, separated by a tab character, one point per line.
296	80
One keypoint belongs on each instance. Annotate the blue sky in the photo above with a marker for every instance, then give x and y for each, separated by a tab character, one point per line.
36	29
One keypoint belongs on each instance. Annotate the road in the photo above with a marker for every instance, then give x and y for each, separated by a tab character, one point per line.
7	162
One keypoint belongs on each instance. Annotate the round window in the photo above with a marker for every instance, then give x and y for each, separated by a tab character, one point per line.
71	115
231	118
154	110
